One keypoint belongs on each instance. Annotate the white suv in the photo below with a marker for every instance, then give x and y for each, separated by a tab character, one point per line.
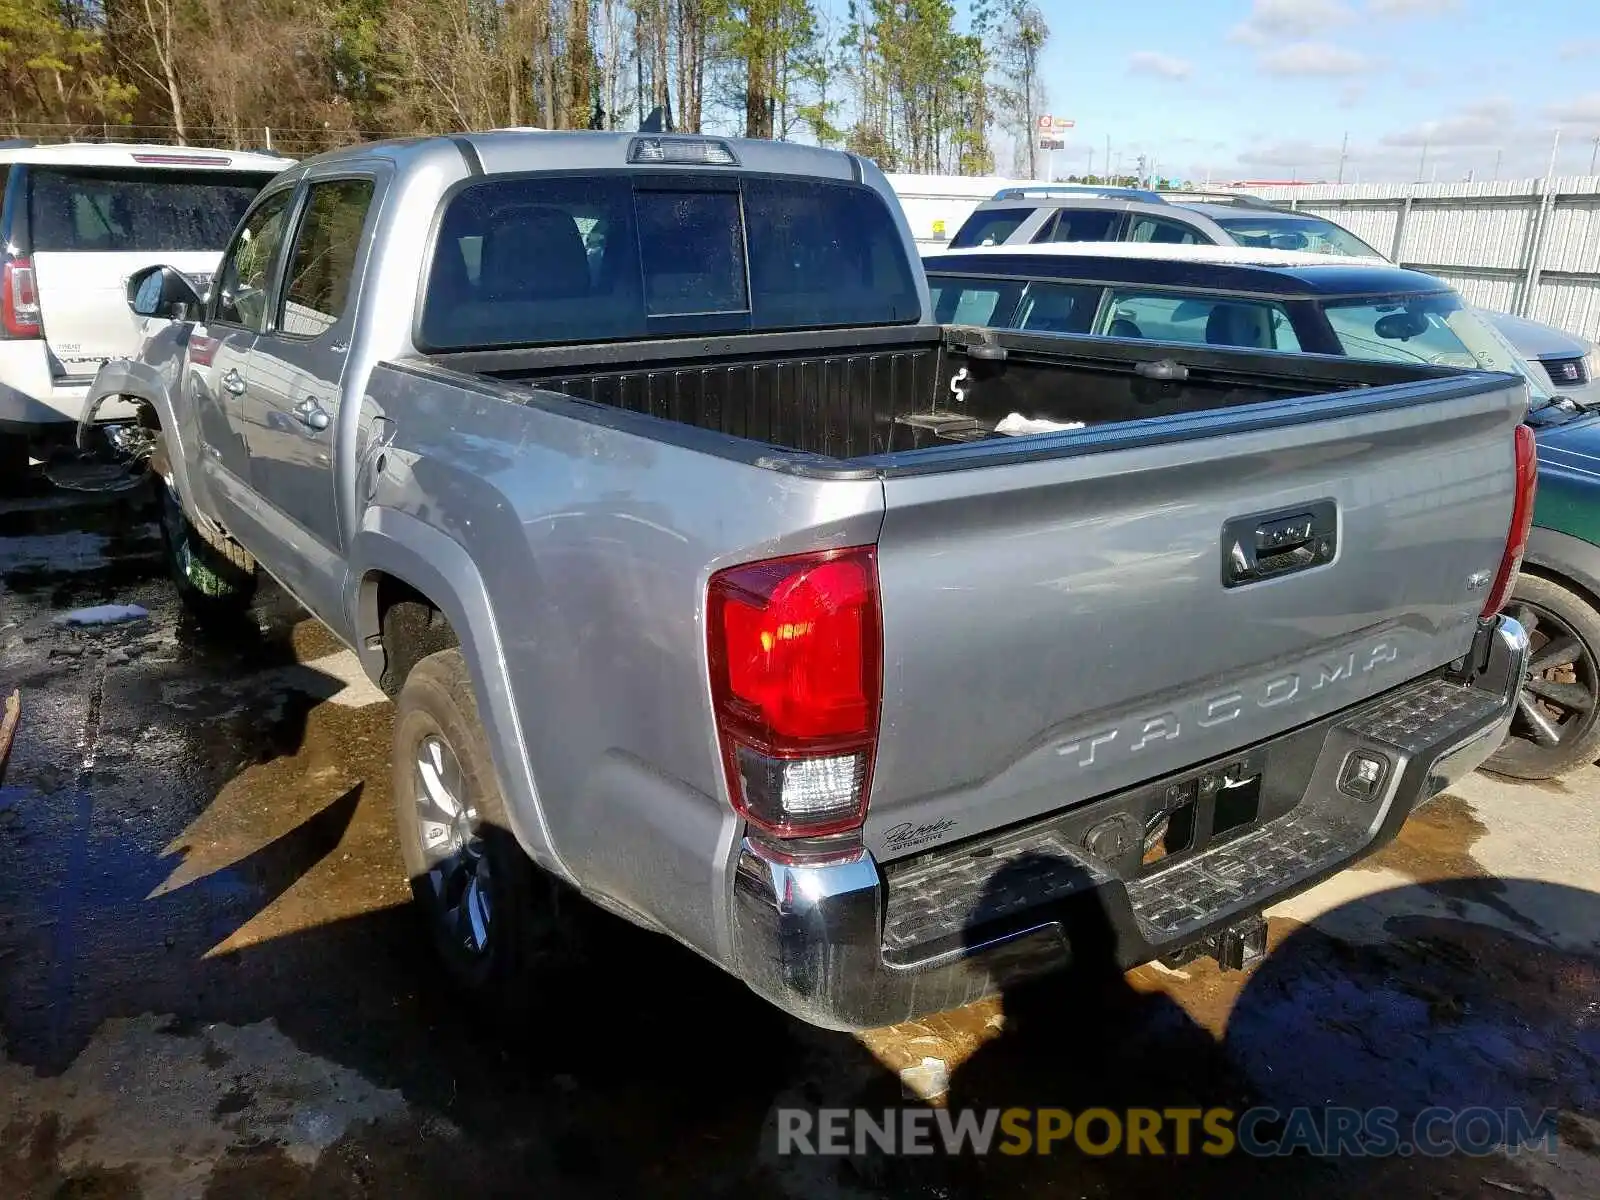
76	220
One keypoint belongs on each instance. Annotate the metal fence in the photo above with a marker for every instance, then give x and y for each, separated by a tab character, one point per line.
1529	247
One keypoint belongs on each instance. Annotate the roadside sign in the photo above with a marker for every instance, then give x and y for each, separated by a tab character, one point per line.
1050	124
1052	144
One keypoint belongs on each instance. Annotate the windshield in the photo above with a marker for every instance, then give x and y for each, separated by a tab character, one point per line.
1289	231
1436	329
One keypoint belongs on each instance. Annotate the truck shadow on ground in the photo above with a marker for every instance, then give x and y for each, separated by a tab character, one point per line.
647	1072
1439	1012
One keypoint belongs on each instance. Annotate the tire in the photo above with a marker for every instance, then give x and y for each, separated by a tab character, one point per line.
1557	725
215	584
498	923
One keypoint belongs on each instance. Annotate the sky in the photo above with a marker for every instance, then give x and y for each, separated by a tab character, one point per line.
1269	89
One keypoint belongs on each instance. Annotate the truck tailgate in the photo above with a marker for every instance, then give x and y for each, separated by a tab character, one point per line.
1079	620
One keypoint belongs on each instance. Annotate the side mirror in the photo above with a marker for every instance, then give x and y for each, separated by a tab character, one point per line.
163	292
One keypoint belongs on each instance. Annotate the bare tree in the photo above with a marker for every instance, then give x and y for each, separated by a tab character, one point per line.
1022	95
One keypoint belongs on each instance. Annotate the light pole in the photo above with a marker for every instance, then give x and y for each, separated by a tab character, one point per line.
1344	149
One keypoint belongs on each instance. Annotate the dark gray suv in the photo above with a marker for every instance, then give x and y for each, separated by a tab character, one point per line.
1031	215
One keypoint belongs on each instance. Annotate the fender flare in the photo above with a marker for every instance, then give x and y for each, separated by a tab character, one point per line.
130	377
400	546
1552	552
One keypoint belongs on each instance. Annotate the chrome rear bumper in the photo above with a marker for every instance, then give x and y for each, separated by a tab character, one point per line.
850	944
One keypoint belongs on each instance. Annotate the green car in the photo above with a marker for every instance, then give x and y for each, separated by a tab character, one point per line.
1557	600
1297	302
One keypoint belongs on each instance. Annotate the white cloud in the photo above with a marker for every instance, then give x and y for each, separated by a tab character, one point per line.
1152	62
1582	110
1411	8
1314	58
1581	48
1274	20
1352	94
1488	122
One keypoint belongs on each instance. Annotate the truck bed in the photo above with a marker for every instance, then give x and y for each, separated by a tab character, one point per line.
859	394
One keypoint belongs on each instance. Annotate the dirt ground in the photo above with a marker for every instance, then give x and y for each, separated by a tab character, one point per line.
210	984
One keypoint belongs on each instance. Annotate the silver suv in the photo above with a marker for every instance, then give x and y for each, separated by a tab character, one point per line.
1029	215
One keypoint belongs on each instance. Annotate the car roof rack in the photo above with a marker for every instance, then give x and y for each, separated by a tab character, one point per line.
1044	191
1237	199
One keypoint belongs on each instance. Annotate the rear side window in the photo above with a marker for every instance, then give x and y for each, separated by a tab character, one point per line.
1081	225
120	210
1202	320
540	261
989	227
324	259
965	301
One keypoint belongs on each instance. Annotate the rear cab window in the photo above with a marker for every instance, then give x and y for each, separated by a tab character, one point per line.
545	260
989	227
117	210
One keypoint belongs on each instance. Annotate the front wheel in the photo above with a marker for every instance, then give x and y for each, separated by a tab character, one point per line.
215	587
1556	727
495	919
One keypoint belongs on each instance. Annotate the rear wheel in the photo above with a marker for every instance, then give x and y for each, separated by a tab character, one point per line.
1556	727
497	922
215	587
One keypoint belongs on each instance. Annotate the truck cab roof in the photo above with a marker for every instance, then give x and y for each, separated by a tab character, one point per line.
507	151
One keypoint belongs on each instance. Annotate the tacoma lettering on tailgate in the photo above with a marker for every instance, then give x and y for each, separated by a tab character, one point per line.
1272	691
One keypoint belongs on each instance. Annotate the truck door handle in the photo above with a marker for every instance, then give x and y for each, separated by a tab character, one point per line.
233	382
311	414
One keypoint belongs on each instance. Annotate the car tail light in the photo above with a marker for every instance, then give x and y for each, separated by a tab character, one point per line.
202	349
1521	523
19	299
796	679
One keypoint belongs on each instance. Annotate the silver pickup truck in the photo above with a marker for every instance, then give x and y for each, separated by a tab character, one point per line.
709	581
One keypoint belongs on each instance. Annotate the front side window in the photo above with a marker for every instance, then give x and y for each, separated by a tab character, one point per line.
989	227
115	210
1199	320
546	260
324	257
1164	231
245	276
1292	232
1058	308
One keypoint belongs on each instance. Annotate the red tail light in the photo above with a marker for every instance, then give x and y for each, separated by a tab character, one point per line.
1521	523
19	299
796	679
202	349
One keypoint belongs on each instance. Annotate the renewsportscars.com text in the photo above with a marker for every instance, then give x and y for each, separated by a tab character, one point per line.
1215	1132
